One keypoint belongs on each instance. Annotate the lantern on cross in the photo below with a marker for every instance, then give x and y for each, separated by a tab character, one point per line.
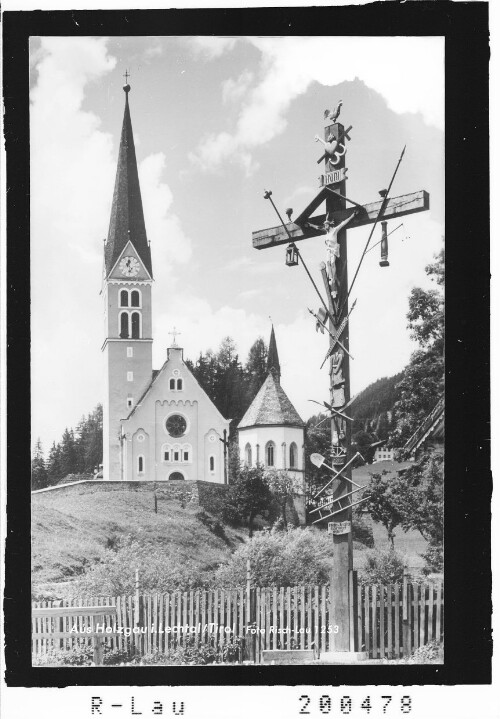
292	255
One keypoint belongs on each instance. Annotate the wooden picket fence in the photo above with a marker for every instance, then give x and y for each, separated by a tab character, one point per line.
389	621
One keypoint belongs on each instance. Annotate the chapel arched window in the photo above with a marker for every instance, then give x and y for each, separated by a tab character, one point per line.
248	455
270	451
135	298
293	455
124	298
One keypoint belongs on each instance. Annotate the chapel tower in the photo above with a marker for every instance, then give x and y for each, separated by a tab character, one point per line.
126	290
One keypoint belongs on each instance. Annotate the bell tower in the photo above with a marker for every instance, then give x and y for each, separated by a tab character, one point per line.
126	289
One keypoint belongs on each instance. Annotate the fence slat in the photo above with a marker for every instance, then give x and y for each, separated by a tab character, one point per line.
438	612
381	594
323	633
375	644
390	650
423	592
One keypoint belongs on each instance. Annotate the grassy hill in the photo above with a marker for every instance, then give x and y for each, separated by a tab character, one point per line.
72	528
75	528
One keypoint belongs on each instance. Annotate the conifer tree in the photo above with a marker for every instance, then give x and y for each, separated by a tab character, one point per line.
39	475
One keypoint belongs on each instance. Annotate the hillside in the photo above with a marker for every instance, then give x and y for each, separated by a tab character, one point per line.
72	529
374	402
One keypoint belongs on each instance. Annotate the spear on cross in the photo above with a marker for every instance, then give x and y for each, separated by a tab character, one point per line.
332	409
335	337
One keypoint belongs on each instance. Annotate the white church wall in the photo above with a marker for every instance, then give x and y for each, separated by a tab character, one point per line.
281	437
175	400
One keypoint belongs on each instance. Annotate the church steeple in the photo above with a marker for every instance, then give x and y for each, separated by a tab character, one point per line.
273	362
127	217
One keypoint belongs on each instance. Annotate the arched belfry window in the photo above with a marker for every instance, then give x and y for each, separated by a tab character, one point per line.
293	455
124	333
248	455
123	298
270	454
135	298
136	325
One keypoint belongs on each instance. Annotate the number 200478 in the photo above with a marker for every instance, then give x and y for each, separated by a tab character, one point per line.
347	705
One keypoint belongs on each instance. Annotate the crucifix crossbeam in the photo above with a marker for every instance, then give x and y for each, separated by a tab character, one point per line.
396	207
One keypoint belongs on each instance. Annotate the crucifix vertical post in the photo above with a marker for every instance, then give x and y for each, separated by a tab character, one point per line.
342	559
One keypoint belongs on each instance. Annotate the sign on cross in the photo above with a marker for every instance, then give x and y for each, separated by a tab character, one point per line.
333	226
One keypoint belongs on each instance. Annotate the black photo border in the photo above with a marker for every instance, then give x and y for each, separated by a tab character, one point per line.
468	608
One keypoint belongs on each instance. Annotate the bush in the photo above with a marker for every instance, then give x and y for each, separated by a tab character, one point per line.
362	532
160	572
208	653
212	524
280	558
433	559
383	567
81	655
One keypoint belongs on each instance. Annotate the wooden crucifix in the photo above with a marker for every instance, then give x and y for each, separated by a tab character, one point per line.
338	218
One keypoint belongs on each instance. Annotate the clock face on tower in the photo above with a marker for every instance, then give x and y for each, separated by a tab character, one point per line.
129	266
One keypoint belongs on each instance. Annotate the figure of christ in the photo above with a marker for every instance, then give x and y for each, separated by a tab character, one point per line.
333	248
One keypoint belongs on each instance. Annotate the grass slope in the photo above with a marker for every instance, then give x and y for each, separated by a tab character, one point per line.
72	527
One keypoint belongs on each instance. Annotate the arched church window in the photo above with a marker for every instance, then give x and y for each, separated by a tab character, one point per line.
293	455
179	384
175	476
248	455
124	333
171	384
124	298
135	298
140	464
270	451
211	463
136	325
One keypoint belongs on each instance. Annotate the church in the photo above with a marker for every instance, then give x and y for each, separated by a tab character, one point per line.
157	424
160	424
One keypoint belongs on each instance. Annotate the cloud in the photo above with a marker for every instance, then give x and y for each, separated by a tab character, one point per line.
210	47
234	90
73	166
407	71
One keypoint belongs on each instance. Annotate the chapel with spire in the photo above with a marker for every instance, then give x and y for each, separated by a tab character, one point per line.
271	432
157	424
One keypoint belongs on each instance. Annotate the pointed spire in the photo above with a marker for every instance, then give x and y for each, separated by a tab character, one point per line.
127	216
273	362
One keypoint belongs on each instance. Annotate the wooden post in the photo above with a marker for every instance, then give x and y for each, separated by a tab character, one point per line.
137	614
250	639
99	640
342	544
406	615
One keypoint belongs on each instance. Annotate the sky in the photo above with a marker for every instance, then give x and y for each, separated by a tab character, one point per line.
218	120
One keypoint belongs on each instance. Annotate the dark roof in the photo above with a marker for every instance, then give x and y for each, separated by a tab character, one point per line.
127	217
271	406
432	426
273	361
